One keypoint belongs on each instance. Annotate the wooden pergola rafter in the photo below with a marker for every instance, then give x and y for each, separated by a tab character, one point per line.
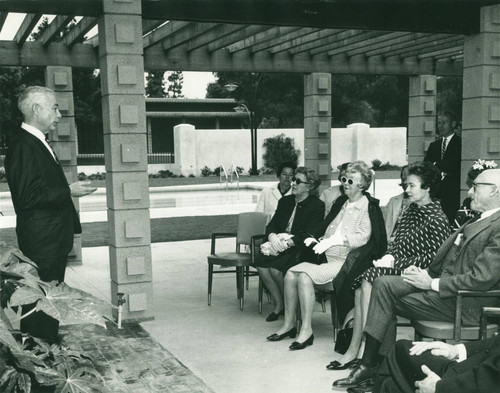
189	32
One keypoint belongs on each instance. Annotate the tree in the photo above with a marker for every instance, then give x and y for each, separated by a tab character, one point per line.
277	100
174	88
154	84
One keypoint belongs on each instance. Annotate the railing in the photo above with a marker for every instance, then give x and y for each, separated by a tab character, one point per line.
229	179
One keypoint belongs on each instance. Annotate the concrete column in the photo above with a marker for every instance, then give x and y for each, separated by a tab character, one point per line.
185	149
318	123
64	139
125	156
421	116
481	92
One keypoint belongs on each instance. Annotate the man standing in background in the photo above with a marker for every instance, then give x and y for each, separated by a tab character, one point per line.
446	154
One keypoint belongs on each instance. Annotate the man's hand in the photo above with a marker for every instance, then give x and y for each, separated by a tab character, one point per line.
427	385
437	348
81	188
417	277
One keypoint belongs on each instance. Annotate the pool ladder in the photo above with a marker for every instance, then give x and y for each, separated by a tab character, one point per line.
229	179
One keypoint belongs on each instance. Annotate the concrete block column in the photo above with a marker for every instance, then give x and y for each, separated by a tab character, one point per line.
318	123
481	92
421	116
125	156
185	153
64	140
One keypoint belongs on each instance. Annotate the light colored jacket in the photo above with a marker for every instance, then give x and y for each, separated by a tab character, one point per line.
268	200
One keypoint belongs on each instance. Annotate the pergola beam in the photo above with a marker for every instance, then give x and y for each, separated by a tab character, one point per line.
222	60
346	37
220	31
76	35
238	36
24	31
54	28
192	30
264	36
355	44
3	17
163	32
278	41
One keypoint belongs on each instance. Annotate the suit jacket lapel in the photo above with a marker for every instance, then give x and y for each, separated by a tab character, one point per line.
480	226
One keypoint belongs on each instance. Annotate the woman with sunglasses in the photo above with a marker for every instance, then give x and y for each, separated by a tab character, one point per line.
296	215
351	223
421	230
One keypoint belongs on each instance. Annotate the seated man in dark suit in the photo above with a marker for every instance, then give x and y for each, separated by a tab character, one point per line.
437	367
467	260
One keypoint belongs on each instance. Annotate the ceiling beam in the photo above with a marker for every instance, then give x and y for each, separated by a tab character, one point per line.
163	32
220	31
264	36
440	53
56	26
245	61
24	31
359	46
435	45
3	16
149	25
345	37
188	32
240	35
77	33
299	32
391	47
446	16
325	37
34	54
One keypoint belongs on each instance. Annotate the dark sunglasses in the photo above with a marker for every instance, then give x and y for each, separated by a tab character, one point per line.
298	181
344	180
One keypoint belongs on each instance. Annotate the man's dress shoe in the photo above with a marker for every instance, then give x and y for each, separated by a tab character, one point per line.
358	375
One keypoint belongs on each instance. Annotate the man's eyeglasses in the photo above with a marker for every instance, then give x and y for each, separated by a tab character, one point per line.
297	181
474	185
344	180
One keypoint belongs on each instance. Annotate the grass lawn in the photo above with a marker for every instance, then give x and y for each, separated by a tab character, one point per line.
169	229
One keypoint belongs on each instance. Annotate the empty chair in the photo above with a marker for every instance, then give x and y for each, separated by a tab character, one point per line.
251	229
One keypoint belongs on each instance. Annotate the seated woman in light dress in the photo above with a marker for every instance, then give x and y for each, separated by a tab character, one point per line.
421	230
347	227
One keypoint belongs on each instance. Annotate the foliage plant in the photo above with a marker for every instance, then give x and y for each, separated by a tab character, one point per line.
27	362
279	149
206	171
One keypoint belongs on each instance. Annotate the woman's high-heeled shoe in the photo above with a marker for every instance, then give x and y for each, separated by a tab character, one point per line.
296	345
278	337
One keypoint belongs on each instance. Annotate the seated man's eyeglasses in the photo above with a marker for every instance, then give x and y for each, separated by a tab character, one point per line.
474	185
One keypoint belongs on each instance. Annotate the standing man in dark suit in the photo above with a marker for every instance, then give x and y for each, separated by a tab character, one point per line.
437	367
467	260
46	216
446	153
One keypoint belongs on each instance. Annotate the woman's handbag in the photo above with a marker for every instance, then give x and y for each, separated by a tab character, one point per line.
344	337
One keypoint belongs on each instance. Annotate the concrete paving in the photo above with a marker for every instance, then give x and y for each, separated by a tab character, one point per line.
223	346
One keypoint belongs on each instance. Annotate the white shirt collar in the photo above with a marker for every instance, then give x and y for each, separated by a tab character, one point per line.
448	139
39	135
488	213
34	131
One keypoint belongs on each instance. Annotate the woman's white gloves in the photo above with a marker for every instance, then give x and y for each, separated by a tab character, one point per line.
325	244
277	243
386	261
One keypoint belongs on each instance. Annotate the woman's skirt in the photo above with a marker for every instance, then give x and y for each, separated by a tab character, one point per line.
319	274
281	262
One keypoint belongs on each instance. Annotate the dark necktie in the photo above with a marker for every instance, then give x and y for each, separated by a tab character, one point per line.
443	148
51	148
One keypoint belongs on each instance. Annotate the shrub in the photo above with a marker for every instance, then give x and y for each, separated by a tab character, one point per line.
216	171
376	163
279	149
239	170
206	171
2	175
265	171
